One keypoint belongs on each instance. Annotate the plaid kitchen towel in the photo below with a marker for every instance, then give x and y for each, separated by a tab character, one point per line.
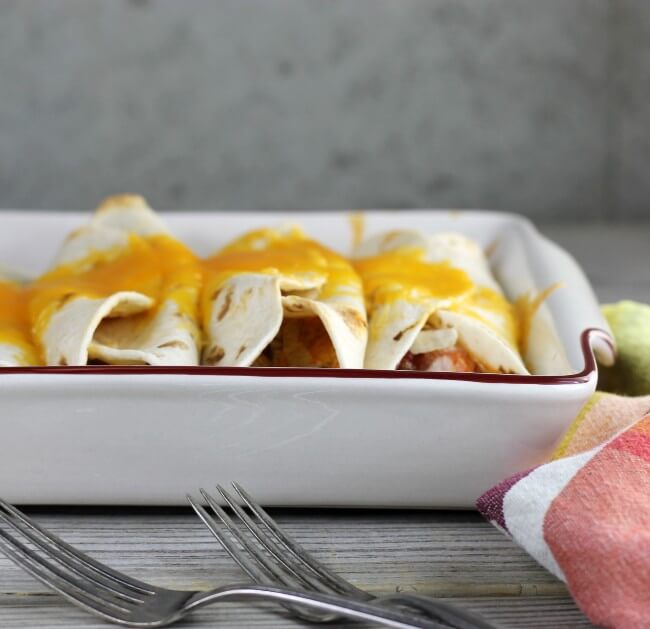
585	514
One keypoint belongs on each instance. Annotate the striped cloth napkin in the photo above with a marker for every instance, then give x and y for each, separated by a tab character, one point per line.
585	514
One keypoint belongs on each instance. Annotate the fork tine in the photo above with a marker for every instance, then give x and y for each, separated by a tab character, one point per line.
240	558
77	598
57	580
263	571
70	563
445	613
304	574
292	546
73	553
262	561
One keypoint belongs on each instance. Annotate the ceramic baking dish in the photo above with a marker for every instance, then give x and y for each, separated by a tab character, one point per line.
352	438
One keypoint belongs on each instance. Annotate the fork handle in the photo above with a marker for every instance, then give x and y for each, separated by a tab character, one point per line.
323	602
450	615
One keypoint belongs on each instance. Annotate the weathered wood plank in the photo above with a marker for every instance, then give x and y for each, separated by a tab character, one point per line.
446	554
441	553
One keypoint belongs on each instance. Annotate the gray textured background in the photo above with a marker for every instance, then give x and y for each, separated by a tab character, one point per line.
522	105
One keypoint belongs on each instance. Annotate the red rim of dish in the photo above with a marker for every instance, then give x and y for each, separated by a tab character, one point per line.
586	340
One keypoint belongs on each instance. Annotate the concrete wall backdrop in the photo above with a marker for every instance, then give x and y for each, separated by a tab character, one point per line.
521	105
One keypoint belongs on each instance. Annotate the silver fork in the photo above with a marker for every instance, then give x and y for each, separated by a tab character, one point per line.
267	554
123	600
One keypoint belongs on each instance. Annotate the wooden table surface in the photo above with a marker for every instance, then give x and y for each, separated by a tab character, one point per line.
449	554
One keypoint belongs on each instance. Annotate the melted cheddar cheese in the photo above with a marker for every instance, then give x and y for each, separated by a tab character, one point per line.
525	308
404	275
162	268
493	310
288	254
15	327
158	266
358	227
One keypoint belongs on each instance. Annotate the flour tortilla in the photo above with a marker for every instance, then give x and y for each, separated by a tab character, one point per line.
13	356
246	311
125	327
403	325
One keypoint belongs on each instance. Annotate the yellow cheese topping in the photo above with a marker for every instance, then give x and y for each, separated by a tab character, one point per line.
270	252
493	310
163	268
289	254
15	327
358	227
158	266
525	307
403	274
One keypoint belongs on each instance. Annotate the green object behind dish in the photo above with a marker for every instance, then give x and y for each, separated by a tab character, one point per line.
630	323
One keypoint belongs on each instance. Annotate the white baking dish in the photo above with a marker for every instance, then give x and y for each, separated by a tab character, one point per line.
98	435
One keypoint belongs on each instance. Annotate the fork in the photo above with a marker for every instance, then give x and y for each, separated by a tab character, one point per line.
277	559
121	599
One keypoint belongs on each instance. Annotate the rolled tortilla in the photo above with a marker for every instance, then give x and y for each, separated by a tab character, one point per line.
274	297
121	291
434	305
16	346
